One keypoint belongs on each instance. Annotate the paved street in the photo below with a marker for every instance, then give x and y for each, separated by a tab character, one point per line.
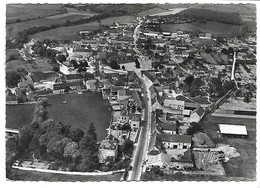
142	145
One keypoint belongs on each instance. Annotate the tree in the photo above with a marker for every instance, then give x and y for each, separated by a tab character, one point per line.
123	67
24	138
92	131
114	65
12	78
71	150
231	50
76	133
137	63
61	58
194	128
188	80
127	147
74	63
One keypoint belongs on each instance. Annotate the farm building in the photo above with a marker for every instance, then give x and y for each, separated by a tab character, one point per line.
233	130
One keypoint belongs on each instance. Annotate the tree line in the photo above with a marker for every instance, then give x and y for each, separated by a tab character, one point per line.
210	15
66	147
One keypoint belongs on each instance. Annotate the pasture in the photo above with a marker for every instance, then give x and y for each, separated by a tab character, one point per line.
71	15
81	110
31	11
19	115
215	28
72	32
35	65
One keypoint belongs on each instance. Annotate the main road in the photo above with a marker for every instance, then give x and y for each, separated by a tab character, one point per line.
140	152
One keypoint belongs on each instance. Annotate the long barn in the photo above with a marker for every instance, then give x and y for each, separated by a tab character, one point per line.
228	130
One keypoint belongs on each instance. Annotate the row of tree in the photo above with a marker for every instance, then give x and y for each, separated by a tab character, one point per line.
209	15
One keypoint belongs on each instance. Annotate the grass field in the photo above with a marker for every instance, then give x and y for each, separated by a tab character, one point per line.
72	32
11	52
215	28
245	9
19	115
245	164
20	175
36	65
72	14
81	111
30	11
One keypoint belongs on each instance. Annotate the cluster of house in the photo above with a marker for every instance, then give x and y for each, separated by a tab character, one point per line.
123	92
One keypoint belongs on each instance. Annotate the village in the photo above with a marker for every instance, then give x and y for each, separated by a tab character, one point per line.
175	78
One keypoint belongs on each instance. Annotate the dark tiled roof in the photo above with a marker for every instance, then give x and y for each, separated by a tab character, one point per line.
73	76
167	126
200	111
176	138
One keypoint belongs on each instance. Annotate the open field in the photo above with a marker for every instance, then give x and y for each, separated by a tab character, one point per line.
72	32
245	164
36	65
245	9
161	8
215	28
13	29
81	110
30	11
169	12
11	53
19	115
20	175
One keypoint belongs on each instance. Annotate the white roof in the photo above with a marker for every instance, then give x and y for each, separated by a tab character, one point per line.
232	129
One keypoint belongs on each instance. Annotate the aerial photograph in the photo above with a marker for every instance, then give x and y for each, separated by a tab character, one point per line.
130	92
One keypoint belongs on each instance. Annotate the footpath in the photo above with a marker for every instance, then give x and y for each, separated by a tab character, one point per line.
98	173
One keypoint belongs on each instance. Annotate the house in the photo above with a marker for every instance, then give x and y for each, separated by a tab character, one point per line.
134	121
183	162
155	145
175	141
59	88
162	160
73	78
26	82
123	94
107	150
197	114
174	104
227	130
67	68
166	128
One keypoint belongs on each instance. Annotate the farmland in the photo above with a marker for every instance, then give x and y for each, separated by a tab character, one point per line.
31	11
72	32
245	164
19	115
71	15
35	65
81	111
217	29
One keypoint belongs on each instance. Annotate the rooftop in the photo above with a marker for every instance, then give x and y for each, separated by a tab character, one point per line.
175	138
233	129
